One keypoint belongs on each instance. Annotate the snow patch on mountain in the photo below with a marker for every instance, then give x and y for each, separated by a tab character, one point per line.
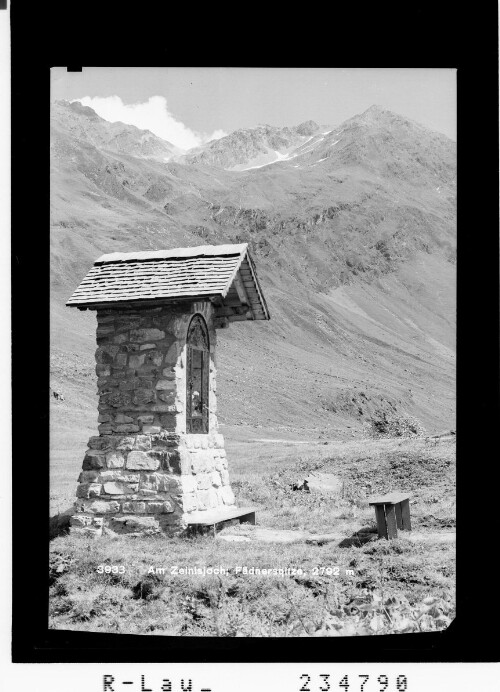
279	157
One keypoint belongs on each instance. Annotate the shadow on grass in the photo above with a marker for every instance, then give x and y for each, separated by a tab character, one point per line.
59	524
359	538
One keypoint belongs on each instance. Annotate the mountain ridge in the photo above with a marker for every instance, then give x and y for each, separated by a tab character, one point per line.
117	136
248	145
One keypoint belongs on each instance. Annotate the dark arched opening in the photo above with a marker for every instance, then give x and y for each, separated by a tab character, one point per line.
198	371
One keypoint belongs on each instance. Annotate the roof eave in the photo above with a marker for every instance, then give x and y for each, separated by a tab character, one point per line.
140	302
259	289
246	255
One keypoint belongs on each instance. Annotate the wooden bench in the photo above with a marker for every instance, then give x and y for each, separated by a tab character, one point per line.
216	519
392	512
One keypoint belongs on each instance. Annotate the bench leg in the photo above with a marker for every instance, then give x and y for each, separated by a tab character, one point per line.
381	523
405	515
390	517
399	517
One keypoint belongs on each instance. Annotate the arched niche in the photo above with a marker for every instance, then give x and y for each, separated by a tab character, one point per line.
197	376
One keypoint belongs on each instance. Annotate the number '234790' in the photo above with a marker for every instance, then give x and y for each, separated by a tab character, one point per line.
361	683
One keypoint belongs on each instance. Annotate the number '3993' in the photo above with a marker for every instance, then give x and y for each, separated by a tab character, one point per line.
110	569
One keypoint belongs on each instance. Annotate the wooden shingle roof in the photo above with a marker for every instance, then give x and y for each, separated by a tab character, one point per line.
223	273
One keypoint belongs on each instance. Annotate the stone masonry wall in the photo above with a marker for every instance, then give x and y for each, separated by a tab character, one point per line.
143	473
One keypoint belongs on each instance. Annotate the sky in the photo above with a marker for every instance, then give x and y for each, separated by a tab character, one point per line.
189	106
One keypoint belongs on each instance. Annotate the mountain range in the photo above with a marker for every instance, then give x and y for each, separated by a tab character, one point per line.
353	231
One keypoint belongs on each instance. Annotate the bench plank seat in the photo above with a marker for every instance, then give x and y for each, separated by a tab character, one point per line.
390	499
212	517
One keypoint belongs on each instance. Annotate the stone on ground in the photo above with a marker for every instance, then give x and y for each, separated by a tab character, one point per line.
325	483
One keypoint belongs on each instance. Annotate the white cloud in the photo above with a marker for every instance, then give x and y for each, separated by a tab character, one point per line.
151	115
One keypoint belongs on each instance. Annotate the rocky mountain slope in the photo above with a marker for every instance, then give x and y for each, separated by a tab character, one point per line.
353	234
254	147
84	125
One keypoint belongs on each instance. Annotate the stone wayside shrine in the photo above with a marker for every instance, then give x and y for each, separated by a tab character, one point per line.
158	464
